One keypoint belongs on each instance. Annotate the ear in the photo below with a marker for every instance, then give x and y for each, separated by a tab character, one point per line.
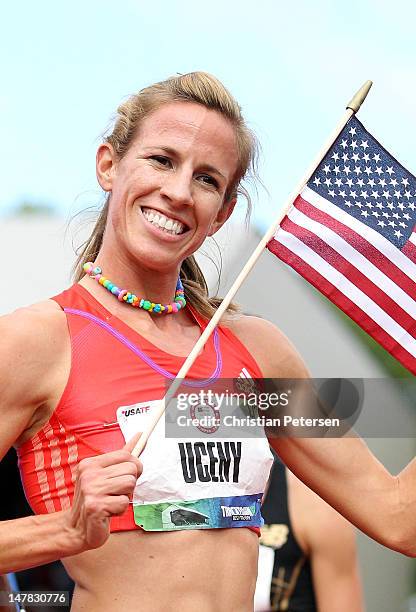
223	214
105	166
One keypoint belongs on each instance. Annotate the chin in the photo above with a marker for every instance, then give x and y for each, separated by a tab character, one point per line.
155	260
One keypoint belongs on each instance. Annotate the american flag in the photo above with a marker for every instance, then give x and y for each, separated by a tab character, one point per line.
351	233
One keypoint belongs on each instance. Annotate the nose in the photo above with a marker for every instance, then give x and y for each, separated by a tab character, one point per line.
177	187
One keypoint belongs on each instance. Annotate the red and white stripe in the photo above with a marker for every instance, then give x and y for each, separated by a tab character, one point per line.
42	474
410	247
358	269
54	466
245	374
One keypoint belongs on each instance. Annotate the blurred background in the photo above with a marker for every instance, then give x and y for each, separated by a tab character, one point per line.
293	67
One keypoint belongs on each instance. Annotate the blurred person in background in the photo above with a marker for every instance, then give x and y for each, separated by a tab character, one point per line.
307	557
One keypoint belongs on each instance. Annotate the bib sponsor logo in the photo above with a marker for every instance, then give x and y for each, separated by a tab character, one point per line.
136	410
210	461
238	513
133	418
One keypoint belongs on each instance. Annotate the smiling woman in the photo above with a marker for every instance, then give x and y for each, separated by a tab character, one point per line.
175	186
182	112
81	373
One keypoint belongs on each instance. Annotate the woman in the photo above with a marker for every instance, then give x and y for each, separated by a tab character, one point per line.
79	366
307	556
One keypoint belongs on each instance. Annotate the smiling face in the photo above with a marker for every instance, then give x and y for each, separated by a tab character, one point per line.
168	191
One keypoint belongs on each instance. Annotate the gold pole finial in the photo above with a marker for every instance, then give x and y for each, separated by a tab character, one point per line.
359	97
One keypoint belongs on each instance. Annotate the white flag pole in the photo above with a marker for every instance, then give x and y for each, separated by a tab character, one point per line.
352	108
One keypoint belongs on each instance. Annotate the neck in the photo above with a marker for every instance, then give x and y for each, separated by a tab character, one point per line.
137	317
158	287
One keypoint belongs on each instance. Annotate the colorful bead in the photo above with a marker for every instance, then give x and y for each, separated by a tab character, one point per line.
125	296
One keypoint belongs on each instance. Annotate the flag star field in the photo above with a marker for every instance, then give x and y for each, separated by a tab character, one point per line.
360	177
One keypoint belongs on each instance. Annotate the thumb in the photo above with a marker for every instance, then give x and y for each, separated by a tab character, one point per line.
129	446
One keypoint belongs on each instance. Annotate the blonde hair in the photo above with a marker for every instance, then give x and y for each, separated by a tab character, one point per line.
201	88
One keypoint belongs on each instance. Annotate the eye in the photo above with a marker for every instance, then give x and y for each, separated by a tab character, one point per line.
208	180
162	160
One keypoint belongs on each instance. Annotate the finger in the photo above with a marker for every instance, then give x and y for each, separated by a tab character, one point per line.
132	442
120	469
97	523
102	484
118	504
106	459
119	485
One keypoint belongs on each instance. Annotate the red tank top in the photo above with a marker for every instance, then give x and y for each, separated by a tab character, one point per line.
112	365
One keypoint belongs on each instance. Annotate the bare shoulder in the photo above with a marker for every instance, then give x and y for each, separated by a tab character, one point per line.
273	351
32	339
34	350
39	323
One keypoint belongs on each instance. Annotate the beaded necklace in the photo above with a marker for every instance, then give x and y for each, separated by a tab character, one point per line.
125	296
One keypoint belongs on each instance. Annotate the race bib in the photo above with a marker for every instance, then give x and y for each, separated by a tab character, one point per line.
198	483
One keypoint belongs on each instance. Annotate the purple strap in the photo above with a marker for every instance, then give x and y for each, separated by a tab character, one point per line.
145	357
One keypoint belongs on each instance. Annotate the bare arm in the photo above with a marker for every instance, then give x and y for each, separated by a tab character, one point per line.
36	540
348	476
335	573
32	342
103	489
343	472
329	541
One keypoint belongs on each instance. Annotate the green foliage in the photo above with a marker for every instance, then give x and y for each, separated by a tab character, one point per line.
31	209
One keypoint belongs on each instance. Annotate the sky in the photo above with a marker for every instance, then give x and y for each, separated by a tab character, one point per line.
65	67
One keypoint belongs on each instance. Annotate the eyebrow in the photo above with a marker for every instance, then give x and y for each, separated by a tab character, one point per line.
171	151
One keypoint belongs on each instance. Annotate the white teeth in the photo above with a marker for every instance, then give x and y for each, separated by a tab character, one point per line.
168	225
